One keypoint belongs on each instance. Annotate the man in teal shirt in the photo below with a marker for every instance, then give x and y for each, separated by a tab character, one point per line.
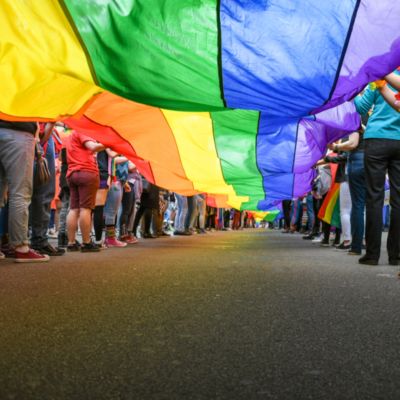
382	154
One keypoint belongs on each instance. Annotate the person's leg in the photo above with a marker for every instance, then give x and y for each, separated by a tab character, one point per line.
393	240
195	212
148	217
62	231
127	202
138	217
41	203
310	212
190	211
375	163
98	222
202	214
113	202
73	213
85	224
326	231
294	215
132	218
72	225
345	210
88	184
357	193
179	211
16	157
182	214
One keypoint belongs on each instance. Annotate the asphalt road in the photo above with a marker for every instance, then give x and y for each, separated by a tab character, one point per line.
228	315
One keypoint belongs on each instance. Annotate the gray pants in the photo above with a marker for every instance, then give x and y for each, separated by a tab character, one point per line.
16	169
64	212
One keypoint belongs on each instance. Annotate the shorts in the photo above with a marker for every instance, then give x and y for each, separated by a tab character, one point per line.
83	187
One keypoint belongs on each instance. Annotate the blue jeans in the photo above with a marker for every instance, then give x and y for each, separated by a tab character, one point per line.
113	202
310	211
181	212
42	197
191	202
358	194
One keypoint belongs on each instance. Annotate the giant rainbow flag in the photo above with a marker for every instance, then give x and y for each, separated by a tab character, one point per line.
237	98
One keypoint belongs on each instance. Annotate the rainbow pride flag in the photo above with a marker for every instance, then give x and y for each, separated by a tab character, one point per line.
241	96
286	57
231	153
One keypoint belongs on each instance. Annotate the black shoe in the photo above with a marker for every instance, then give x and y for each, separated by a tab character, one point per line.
49	250
367	260
354	252
74	247
309	237
90	248
393	261
343	247
149	236
324	243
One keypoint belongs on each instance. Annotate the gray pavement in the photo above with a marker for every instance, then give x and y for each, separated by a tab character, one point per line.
228	315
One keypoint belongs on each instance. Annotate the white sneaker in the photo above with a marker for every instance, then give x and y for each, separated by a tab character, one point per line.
52	233
317	239
2	256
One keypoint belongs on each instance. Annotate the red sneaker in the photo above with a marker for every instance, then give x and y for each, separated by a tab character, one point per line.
31	256
114	242
129	239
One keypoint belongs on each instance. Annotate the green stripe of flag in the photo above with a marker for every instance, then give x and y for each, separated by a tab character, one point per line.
235	133
152	51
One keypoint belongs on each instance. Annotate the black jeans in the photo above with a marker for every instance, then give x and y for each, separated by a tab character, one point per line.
382	155
286	212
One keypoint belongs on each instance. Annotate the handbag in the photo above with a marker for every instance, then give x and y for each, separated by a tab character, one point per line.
42	172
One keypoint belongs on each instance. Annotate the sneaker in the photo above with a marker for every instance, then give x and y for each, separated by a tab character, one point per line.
324	243
114	242
49	250
52	233
343	247
30	256
129	239
317	239
90	248
2	256
367	260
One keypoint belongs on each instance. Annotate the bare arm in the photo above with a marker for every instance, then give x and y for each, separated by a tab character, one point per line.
393	80
390	97
48	130
351	144
94	147
116	157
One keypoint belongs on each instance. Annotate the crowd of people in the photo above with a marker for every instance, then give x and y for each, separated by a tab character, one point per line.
84	188
367	171
56	183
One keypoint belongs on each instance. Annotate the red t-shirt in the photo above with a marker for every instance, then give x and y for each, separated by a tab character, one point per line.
78	156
